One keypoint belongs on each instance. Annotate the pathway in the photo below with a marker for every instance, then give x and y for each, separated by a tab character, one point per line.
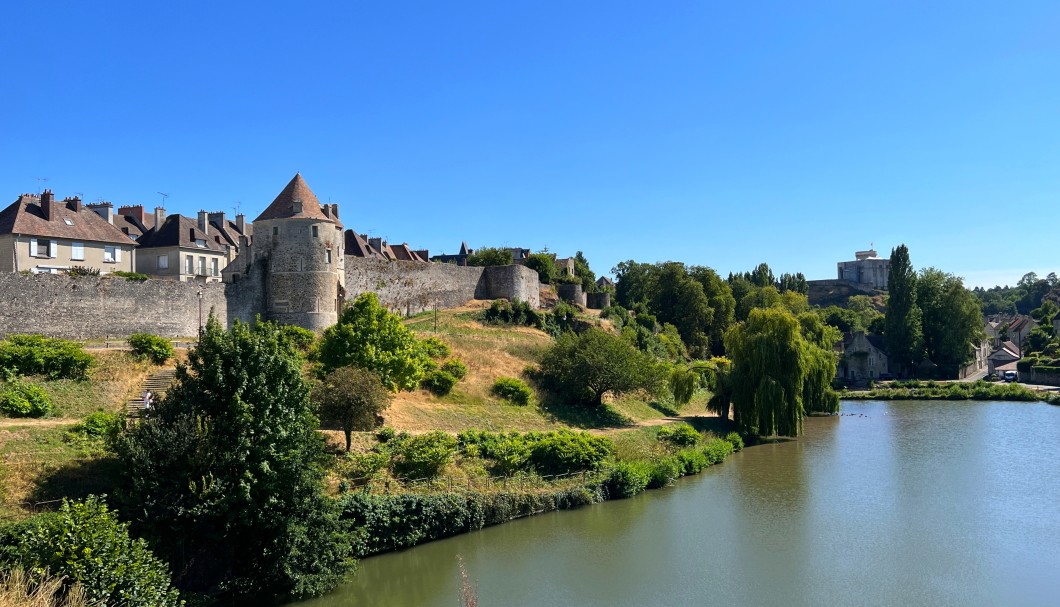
158	382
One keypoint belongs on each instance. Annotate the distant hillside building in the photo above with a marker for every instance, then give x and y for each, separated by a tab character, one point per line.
866	269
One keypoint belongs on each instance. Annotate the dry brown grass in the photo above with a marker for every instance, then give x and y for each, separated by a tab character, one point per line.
20	589
118	376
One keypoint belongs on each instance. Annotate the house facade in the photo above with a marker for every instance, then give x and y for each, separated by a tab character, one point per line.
1006	354
44	235
864	357
181	248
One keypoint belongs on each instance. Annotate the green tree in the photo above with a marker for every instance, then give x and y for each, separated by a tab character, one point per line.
85	542
490	256
903	331
350	398
545	266
721	301
370	337
585	367
679	299
952	320
584	273
777	373
225	478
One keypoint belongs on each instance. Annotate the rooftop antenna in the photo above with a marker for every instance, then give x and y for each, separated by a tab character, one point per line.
164	196
40	181
235	207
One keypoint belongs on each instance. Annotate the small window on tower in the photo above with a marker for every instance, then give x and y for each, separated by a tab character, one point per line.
327	257
275	230
314	231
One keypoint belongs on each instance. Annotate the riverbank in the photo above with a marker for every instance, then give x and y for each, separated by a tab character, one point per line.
933	390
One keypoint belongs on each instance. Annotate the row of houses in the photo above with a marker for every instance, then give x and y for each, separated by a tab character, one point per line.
40	234
864	356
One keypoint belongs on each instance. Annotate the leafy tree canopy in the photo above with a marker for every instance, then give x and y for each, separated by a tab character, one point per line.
545	265
490	256
585	367
350	398
370	337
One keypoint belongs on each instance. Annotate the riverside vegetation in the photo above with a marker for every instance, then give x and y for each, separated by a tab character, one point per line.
490	405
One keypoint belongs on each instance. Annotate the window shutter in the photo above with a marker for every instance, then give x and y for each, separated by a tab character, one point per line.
117	253
32	247
53	249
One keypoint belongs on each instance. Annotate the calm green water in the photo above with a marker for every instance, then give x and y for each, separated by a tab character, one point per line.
900	503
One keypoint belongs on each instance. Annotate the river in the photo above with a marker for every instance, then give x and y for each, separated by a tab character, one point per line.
893	503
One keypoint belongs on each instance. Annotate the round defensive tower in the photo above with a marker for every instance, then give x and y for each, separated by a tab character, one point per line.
300	242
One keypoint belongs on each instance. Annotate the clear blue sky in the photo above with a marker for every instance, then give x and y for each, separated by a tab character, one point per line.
716	133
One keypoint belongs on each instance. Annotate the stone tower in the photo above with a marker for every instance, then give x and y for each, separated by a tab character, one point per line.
298	243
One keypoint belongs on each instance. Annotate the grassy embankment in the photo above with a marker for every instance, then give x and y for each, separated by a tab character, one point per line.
933	390
41	459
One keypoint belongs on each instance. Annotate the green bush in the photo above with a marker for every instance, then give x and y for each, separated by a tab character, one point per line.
101	426
424	456
564	451
692	461
297	338
146	346
84	542
82	271
514	312
456	368
39	355
438	382
679	435
626	480
434	347
385	434
513	390
735	440
717	450
663	472
133	276
24	399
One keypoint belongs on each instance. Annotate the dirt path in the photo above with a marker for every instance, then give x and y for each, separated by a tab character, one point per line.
49	422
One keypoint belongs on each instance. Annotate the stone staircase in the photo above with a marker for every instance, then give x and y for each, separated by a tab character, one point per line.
158	382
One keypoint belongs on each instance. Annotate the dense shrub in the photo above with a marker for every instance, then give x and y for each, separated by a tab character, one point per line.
85	542
680	435
735	440
585	367
39	355
626	480
434	347
24	399
930	390
385	434
297	338
82	271
565	451
514	312
717	450
513	390
490	256
146	346
663	472
133	276
424	456
456	368
692	461
438	382
101	426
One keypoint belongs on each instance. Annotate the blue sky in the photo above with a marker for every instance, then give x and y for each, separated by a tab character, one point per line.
722	134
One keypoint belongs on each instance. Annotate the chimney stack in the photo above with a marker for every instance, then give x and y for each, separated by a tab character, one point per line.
47	205
334	211
204	224
218	218
160	216
74	204
241	223
135	211
104	210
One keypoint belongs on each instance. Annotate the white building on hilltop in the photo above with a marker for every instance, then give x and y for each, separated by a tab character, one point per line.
866	269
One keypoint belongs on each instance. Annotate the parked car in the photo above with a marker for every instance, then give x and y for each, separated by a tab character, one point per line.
1011	376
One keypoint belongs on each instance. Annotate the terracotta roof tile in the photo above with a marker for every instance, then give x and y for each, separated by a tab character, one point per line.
25	216
286	205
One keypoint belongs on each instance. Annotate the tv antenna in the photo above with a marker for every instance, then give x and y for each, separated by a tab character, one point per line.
235	206
164	196
41	181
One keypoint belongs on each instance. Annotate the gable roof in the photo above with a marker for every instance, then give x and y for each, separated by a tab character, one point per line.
357	246
178	231
285	207
25	216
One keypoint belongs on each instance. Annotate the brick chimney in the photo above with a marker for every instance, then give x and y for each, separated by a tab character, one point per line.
74	204
135	211
204	222
334	211
160	216
104	210
47	205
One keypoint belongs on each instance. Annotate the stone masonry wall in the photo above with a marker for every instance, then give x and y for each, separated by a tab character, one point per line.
92	308
407	287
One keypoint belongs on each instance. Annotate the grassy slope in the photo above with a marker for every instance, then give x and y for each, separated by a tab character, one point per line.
491	352
40	460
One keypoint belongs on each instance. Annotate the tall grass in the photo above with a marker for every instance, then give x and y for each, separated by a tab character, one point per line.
21	589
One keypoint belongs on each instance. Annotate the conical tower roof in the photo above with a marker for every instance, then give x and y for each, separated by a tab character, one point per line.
286	205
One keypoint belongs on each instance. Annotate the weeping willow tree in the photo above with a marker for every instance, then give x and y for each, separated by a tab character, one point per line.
780	370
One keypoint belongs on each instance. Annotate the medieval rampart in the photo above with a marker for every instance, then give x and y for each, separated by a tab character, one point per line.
94	308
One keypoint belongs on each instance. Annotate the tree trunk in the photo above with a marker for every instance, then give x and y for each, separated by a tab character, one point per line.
349	435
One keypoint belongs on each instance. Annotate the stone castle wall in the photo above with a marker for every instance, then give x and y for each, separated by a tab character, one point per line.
407	287
99	308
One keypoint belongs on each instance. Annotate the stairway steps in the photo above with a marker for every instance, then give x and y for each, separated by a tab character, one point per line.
158	383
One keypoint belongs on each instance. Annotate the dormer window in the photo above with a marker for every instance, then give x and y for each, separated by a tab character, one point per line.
200	243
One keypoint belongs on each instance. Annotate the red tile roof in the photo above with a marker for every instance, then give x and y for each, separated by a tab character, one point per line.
285	207
25	216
